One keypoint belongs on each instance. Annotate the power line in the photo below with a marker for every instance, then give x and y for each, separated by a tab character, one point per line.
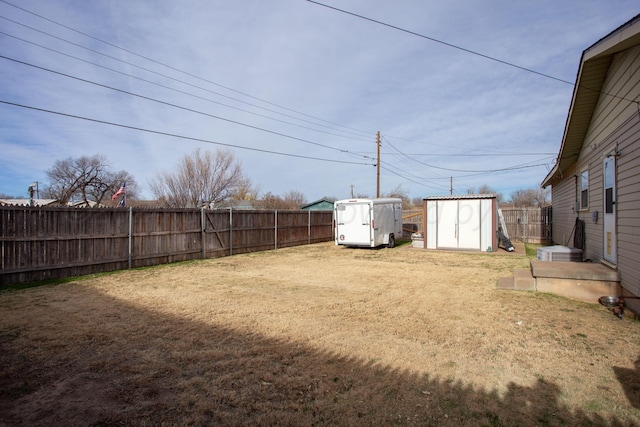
521	166
473	52
511	168
157	73
410	161
470	155
176	135
411	178
173	68
420	180
413	33
176	106
188	93
484	151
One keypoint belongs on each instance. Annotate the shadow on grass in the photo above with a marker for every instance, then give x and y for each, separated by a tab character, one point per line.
630	381
94	360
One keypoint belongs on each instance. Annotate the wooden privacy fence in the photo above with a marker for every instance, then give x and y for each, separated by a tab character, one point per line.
529	225
53	243
411	222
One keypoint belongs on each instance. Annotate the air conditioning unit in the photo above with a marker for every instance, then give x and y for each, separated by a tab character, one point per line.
559	253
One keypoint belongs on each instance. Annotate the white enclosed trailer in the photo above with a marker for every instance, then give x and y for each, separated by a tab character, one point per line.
367	222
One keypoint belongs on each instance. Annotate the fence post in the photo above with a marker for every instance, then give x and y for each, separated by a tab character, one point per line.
309	228
130	237
203	224
275	220
230	231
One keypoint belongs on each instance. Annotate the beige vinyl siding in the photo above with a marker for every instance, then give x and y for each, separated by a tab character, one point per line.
564	199
614	108
567	194
628	204
615	125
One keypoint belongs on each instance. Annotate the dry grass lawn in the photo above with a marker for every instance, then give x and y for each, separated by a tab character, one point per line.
315	335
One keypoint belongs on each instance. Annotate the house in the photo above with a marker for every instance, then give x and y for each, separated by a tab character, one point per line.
596	179
319	205
236	204
83	204
27	202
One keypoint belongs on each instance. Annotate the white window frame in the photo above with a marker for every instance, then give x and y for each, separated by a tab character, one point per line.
584	189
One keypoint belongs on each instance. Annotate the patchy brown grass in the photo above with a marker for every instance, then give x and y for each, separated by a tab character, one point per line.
315	335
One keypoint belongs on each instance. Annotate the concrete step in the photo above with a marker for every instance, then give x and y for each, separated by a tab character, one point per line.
574	270
523	280
505	283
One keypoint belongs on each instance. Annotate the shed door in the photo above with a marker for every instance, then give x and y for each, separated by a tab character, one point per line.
469	224
610	238
458	224
447	224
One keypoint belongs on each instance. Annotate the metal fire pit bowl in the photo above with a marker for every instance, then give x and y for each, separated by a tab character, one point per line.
616	304
609	301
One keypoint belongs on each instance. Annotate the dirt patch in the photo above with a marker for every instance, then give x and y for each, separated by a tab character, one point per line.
315	335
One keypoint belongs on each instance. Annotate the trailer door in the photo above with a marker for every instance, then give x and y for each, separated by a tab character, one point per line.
353	224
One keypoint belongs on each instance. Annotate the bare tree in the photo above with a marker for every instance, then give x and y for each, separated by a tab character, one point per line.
400	193
532	197
110	183
291	200
85	179
294	199
486	189
270	201
247	191
201	179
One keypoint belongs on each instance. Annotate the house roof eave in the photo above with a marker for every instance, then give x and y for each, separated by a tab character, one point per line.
594	65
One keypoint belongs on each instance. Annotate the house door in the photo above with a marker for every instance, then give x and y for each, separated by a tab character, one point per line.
610	239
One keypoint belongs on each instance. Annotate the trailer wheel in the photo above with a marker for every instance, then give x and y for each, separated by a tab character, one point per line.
392	241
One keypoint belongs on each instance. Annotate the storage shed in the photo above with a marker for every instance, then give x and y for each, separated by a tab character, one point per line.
466	222
319	205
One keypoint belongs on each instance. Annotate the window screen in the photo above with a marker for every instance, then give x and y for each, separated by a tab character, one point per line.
584	190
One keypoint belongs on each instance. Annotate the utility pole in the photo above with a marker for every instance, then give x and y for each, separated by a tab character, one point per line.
33	188
352	191
378	166
451	186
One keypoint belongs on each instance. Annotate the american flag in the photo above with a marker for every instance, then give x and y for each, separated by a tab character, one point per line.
122	190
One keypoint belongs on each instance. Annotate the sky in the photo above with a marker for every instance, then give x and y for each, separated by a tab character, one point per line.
464	93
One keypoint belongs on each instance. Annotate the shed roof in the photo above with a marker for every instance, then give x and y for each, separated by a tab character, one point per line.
463	197
594	65
317	202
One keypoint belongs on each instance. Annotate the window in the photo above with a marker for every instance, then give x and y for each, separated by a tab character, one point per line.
584	190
